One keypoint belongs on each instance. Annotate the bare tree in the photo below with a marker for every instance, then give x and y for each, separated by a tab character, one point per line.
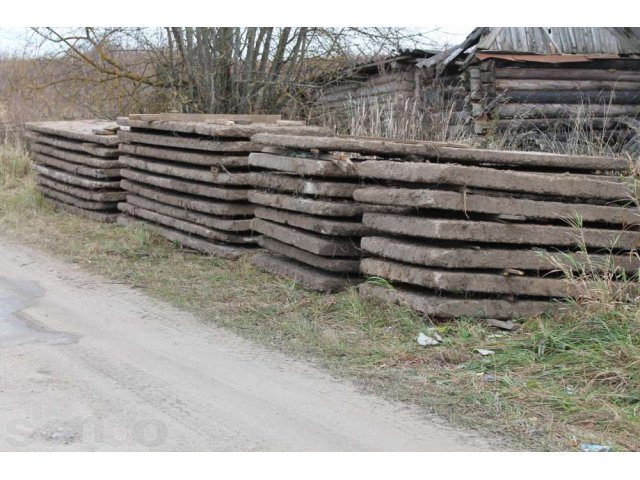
221	69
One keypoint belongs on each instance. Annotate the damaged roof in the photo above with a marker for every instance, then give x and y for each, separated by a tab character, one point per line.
561	40
609	42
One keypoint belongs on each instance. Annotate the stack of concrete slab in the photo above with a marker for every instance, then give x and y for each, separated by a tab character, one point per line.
481	222
77	167
305	211
188	176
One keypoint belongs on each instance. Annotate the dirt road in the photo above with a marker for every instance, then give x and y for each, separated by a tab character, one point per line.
88	365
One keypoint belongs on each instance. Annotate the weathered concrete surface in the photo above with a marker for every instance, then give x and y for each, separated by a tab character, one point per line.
445	151
461	282
349	144
183	172
82	130
76	180
80	158
227	131
97	216
494	232
183	186
193	157
205	144
99	173
439	306
143	375
233	178
308	277
325	207
184	226
430	255
304	186
78	146
193	242
185	201
567	185
320	225
302	165
311	242
325	263
95	196
187	172
478	203
75	201
337	208
199	218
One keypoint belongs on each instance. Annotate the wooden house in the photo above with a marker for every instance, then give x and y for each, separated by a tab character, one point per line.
527	78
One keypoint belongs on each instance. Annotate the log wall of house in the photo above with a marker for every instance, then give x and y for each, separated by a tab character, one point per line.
376	87
532	95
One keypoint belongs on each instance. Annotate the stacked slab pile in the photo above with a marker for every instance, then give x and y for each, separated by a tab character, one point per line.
77	167
468	248
188	176
305	211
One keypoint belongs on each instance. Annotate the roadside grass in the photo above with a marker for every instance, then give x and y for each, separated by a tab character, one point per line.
556	382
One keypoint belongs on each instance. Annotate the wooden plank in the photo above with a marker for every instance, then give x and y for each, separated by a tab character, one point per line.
82	130
303	186
187	227
188	202
227	131
83	193
190	143
302	166
76	146
308	277
493	232
319	244
479	203
76	180
320	225
366	90
554	110
191	187
611	97
339	265
524	73
439	306
575	85
463	282
100	173
520	124
79	158
96	216
565	186
199	218
75	201
231	252
420	252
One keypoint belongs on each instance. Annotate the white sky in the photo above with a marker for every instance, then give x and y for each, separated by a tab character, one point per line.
14	39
